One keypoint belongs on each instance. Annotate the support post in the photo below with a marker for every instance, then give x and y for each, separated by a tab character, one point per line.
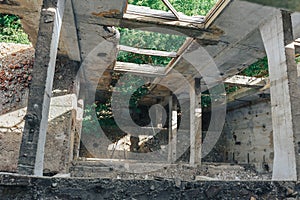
172	129
195	122
158	116
31	157
277	35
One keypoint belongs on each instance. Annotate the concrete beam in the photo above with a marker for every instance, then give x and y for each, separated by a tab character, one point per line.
31	156
278	39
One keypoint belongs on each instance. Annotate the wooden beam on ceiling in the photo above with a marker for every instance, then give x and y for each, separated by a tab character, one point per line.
181	51
174	61
245	92
146	19
143	11
142	69
297	45
215	12
172	9
147	51
246	81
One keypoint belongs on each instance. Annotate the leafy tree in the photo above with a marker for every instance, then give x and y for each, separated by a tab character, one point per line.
11	30
188	7
257	69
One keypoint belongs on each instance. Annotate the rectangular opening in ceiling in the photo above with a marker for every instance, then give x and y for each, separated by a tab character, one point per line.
182	7
144	47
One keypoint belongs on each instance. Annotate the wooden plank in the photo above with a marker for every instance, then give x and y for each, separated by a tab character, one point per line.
147	51
31	156
195	123
215	12
156	21
172	9
246	81
159	14
174	61
172	150
143	69
181	51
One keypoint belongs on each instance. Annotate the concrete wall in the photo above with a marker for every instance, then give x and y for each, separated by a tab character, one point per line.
249	136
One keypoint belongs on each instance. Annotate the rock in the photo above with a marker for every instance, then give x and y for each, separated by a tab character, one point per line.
205	178
212	191
54	185
152	187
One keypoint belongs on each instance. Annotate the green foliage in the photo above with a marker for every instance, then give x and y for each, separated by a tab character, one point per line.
205	100
143	59
297	59
188	7
89	123
11	30
126	88
231	88
257	69
157	41
148	40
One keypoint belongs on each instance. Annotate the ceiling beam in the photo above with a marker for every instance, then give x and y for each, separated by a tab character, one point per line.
146	19
141	69
147	51
171	8
246	81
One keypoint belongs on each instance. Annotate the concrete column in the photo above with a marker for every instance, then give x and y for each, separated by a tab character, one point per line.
278	39
31	156
172	155
195	123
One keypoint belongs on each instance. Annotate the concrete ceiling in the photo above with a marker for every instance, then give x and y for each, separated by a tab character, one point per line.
234	41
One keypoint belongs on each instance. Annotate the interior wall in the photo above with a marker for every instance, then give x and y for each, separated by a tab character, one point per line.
247	137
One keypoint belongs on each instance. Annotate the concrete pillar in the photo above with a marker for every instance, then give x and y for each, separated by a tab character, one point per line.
195	122
31	156
172	155
277	35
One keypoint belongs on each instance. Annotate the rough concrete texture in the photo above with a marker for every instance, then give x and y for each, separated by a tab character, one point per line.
129	169
249	136
278	39
58	140
293	5
22	187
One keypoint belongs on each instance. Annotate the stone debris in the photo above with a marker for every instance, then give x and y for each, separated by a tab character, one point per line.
15	75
